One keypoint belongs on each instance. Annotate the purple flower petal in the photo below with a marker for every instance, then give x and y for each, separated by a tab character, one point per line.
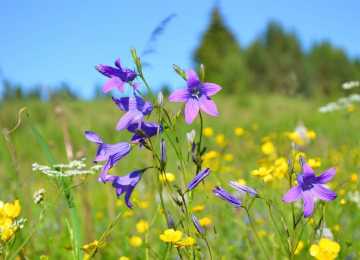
129	118
126	184
122	103
292	195
326	176
323	193
179	95
192	78
306	169
208	106
309	203
243	188
118	63
197	225
191	110
224	195
211	88
93	137
113	82
198	178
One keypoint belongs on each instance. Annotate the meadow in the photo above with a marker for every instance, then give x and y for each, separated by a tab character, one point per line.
251	132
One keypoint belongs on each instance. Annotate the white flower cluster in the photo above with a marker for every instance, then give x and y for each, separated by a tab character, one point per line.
38	196
341	103
354	197
350	85
76	167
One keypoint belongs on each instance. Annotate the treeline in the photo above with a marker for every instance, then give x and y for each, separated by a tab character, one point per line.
274	62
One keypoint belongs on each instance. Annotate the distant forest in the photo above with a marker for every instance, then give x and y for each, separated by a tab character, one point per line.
274	62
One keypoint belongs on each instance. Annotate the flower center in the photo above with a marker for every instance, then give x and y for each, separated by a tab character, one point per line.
195	92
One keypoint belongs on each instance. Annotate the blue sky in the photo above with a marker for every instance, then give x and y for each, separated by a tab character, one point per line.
48	42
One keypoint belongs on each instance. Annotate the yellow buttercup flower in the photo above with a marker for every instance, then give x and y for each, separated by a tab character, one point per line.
220	140
311	134
12	210
280	167
299	247
124	258
210	155
354	178
241	181
91	247
208	132
228	157
314	162
268	148
198	208
326	249
189	241
171	235
143	204
205	221
7	233
135	241
238	131
296	138
169	177
142	226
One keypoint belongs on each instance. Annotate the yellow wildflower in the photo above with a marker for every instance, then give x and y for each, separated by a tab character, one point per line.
7	233
326	249
124	258
239	131
205	221
171	235
208	132
169	177
91	247
189	241
128	213
12	210
210	155
299	247
280	167
142	226
198	208
268	148
342	201
241	181
354	178
311	134
135	241
143	204
220	140
314	162
229	157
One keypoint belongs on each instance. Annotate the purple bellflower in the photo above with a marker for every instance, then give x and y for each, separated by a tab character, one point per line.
135	107
224	195
125	184
310	187
243	188
198	178
111	153
145	130
197	225
118	76
196	97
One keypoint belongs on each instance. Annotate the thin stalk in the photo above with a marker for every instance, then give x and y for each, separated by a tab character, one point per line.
252	226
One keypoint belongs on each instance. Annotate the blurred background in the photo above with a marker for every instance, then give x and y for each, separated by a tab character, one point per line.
49	49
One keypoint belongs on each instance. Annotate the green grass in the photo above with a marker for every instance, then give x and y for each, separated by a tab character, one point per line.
260	116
